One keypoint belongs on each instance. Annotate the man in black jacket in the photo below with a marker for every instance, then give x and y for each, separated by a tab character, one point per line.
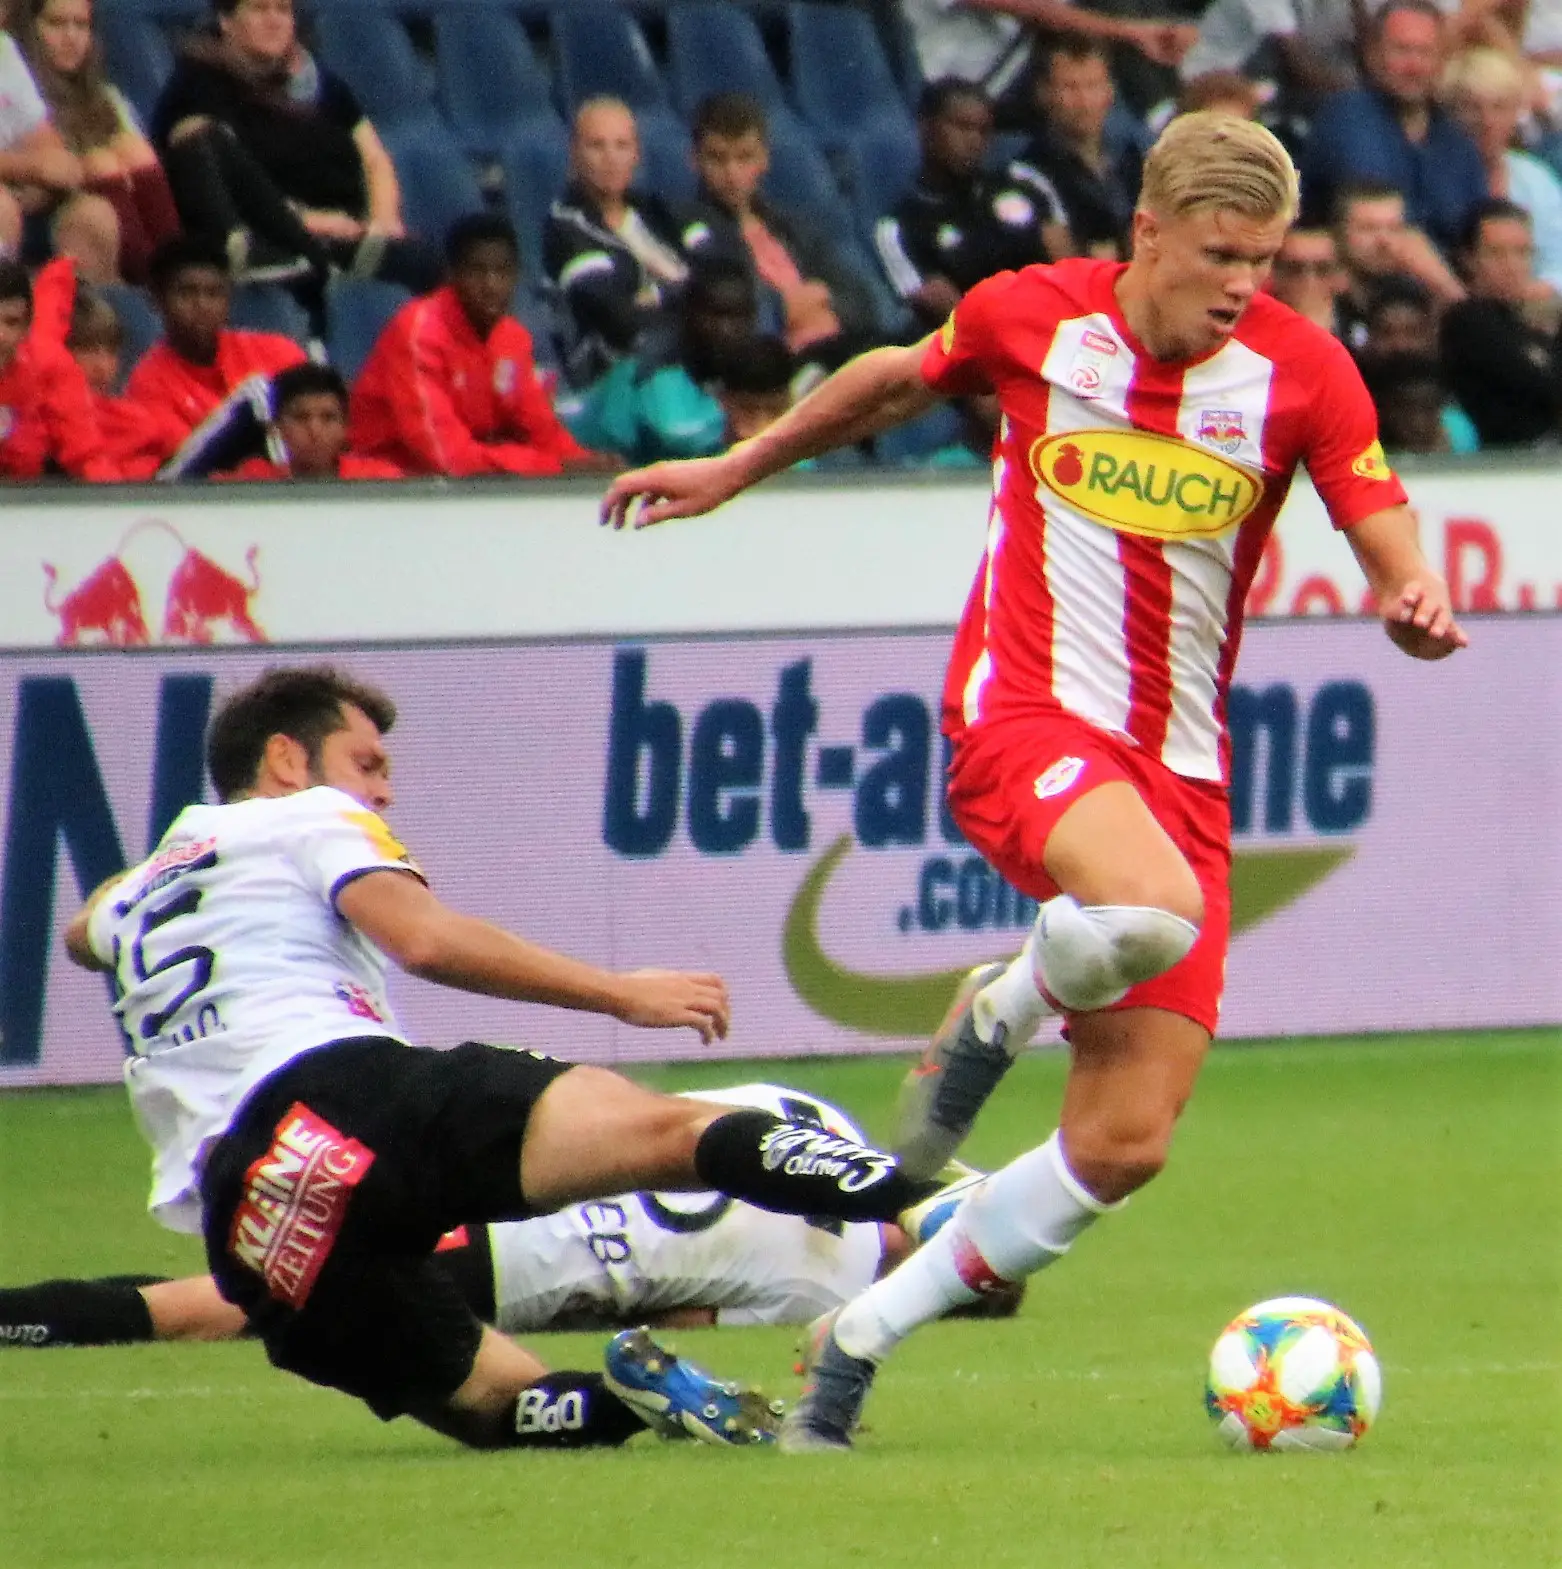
826	310
959	224
1095	174
615	254
1501	350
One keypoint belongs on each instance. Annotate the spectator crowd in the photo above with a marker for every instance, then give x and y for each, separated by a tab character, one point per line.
224	281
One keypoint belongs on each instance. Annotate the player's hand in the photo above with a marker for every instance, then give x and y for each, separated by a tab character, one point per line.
683	488
1420	619
670	999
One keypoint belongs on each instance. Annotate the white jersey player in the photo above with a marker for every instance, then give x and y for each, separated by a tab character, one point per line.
675	1259
256	882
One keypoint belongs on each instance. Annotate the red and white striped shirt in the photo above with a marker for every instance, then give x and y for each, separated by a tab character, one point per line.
1132	498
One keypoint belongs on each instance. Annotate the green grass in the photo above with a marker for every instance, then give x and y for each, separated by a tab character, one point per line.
1414	1181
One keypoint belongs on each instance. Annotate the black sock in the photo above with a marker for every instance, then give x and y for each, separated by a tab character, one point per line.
77	1312
799	1168
570	1411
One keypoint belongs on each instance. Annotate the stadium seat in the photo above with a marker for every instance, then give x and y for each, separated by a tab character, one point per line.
666	158
437	183
840	77
367	46
600	49
718	49
263	307
535	161
137	56
357	310
491	82
137	319
800	178
883	169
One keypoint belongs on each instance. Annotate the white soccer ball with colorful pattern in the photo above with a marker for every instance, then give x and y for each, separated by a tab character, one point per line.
1293	1373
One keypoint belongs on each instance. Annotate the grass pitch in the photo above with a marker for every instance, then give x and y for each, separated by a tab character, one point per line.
1415	1181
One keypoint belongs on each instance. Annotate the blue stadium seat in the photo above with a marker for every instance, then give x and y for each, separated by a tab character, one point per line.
367	46
883	169
841	79
138	320
666	158
600	49
535	164
490	79
137	55
437	183
263	307
357	310
800	178
715	48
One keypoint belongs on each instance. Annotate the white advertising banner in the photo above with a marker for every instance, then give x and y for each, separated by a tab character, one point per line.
369	563
771	807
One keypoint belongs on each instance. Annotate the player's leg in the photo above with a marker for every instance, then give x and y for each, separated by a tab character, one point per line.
1125	907
110	1311
592	1134
1133	1070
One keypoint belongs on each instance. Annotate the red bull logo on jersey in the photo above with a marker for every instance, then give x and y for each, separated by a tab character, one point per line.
1222	429
294	1202
202	601
1138	483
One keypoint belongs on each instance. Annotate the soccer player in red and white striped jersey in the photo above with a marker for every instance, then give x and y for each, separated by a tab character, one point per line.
1153	416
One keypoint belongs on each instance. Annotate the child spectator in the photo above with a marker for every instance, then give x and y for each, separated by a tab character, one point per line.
1408	392
200	360
663	402
755	388
98	127
826	308
451	387
309	414
47	423
138	438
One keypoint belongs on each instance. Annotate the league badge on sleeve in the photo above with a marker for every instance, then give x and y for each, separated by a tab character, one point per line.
1372	464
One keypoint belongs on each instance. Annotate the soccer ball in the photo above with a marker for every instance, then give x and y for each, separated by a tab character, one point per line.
1293	1373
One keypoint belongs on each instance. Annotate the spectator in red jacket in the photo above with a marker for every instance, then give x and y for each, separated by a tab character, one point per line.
309	415
47	423
200	360
138	438
451	387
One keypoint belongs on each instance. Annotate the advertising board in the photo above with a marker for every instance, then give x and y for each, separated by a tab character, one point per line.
770	807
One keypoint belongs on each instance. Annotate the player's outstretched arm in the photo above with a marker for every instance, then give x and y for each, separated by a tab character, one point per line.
77	947
1413	599
404	920
867	395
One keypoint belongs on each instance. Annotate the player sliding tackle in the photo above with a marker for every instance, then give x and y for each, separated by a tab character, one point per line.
323	1156
1154	415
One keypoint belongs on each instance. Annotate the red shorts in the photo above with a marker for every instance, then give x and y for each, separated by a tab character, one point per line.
1011	779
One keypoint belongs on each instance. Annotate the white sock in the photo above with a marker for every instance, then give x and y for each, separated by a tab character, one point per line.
1020	1220
1012	998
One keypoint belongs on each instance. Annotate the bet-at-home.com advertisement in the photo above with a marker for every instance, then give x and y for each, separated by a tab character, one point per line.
771	808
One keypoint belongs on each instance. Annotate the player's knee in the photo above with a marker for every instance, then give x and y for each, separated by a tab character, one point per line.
1089	956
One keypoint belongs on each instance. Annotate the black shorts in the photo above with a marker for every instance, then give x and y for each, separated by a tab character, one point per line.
324	1201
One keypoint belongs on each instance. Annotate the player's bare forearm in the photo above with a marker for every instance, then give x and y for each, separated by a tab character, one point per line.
867	395
77	948
427	939
1413	599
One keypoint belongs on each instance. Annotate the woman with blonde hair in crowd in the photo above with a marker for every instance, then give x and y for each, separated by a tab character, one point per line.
99	128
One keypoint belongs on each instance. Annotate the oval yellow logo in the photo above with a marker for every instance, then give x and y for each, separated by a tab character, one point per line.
1140	483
